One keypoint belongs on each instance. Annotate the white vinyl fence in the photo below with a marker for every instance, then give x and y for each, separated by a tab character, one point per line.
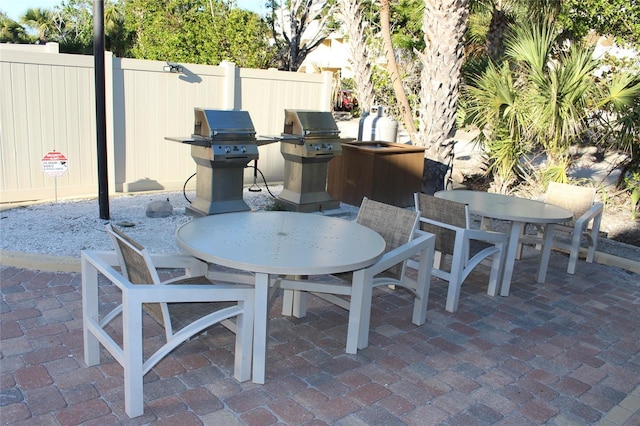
47	103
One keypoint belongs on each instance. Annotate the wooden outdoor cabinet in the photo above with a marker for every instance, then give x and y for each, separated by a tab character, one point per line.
383	171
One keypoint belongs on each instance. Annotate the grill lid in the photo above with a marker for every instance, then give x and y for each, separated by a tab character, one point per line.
310	124
223	125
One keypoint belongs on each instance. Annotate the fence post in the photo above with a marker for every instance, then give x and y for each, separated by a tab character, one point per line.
232	84
327	91
110	119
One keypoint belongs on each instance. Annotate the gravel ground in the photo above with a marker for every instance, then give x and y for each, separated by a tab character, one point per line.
67	227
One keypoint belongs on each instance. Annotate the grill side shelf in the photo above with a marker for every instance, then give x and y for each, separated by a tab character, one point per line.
191	141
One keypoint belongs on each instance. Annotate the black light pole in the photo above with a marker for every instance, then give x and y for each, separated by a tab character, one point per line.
101	120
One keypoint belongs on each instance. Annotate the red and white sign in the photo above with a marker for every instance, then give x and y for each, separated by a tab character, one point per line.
54	164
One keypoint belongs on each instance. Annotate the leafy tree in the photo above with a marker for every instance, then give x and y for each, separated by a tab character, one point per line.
11	31
197	31
73	26
618	18
402	100
298	27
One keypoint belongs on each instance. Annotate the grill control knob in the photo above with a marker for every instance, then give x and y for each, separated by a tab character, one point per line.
243	149
227	149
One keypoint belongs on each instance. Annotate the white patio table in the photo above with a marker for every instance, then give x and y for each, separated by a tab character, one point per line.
280	243
518	212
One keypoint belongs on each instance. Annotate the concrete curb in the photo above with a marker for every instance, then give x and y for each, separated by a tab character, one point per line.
43	262
618	262
39	262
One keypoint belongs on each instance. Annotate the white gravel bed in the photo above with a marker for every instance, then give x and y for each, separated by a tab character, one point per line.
66	227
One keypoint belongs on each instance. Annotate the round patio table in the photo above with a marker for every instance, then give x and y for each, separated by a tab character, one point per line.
518	212
279	243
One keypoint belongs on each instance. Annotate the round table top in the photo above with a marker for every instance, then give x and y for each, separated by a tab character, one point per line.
506	207
277	242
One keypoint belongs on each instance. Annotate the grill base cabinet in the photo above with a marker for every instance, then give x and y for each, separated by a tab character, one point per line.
305	188
383	171
309	141
219	185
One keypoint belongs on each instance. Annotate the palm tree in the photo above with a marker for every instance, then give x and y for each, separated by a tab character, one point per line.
444	25
118	38
40	20
541	97
353	20
495	108
10	30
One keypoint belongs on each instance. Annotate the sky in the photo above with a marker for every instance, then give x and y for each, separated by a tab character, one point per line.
16	8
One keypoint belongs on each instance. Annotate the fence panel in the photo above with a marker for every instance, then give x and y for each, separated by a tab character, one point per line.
48	102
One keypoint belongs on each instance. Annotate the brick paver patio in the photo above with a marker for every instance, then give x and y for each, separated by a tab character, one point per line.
562	353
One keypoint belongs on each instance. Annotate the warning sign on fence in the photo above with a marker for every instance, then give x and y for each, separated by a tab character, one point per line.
54	164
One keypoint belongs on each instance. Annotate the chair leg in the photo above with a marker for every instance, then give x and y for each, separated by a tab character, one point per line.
520	245
574	252
132	359
455	283
496	272
423	284
593	244
287	302
90	311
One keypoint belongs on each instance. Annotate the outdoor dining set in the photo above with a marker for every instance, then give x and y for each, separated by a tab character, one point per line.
235	264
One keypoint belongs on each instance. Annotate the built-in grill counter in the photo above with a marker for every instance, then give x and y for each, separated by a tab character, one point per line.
309	141
222	144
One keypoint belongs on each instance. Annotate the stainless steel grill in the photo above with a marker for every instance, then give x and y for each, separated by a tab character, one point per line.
222	144
309	141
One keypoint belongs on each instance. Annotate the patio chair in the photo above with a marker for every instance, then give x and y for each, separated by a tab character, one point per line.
184	306
587	215
354	291
450	222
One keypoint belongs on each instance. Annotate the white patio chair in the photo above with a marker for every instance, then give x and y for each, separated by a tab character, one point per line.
587	215
403	241
450	222
184	306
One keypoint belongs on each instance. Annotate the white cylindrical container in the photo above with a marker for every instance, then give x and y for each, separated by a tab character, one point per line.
386	129
377	127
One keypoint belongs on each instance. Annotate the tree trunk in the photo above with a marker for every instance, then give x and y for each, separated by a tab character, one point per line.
444	24
352	16
392	66
497	29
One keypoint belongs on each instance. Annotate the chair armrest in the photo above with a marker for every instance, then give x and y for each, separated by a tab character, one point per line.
595	210
104	262
151	293
423	241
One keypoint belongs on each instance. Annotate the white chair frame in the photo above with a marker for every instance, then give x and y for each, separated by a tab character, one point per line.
360	289
461	263
130	354
587	225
